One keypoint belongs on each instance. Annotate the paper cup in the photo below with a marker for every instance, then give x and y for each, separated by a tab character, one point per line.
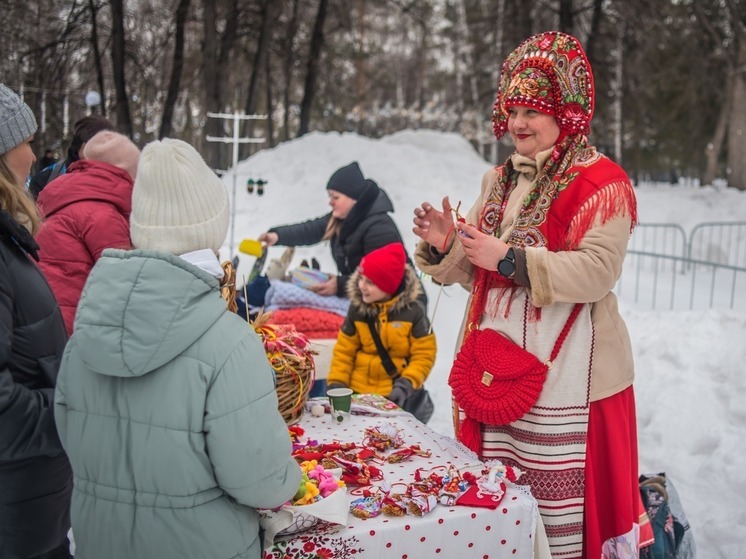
340	401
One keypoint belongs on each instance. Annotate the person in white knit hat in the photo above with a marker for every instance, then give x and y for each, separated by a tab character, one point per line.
85	211
162	389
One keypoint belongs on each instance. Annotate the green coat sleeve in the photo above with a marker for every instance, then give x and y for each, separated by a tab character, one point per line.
247	439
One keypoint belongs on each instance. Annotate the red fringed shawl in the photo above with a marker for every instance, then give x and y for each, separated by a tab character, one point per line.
577	189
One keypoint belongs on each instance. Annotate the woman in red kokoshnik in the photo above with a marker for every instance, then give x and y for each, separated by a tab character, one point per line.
548	235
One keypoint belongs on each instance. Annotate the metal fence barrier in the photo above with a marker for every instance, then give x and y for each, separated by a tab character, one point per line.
665	270
723	242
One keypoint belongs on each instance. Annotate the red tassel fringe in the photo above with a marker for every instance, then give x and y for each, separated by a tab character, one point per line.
470	435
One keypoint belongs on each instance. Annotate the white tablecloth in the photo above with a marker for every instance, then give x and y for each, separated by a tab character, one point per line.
456	532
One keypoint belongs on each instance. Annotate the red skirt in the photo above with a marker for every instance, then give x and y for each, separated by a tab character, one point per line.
615	518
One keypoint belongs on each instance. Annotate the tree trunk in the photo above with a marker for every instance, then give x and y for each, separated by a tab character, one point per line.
312	68
270	141
421	64
360	80
525	21
288	70
213	126
216	54
566	17
97	55
176	69
737	124
618	89
594	32
714	148
124	121
260	60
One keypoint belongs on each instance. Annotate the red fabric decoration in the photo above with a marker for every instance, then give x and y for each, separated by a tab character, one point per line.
473	497
385	267
313	323
470	434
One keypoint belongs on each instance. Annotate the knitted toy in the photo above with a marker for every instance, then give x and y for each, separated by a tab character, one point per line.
316	483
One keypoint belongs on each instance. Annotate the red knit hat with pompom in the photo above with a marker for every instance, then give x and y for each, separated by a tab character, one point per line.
385	267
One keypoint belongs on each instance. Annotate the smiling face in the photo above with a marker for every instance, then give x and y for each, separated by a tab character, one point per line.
20	159
532	131
370	292
341	204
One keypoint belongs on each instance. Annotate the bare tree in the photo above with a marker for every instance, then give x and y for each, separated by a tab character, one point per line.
388	54
260	56
288	58
566	17
124	121
595	29
177	66
312	68
737	125
728	28
215	56
97	54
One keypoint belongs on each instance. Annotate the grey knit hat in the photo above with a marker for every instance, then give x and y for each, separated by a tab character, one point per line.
17	122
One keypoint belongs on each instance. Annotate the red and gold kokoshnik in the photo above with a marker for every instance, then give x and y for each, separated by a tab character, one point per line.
549	72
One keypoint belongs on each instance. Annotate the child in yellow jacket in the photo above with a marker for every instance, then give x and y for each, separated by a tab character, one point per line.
385	288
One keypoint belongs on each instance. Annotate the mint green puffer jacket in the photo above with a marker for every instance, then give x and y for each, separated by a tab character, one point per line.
166	407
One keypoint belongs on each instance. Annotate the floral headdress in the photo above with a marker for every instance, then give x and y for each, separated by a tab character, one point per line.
549	72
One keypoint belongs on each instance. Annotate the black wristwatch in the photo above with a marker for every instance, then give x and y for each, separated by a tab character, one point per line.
506	266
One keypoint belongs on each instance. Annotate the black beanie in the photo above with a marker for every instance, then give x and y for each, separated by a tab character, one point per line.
348	180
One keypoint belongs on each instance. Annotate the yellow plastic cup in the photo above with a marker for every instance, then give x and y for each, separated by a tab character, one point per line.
251	247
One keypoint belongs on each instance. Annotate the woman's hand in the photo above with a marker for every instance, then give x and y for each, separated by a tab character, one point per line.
268	239
327	289
481	249
433	226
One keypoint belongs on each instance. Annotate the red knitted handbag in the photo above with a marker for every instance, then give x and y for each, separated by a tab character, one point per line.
495	381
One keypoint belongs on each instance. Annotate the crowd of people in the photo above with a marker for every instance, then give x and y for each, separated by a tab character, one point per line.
129	391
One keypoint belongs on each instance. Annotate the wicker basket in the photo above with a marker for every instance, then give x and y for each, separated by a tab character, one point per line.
291	357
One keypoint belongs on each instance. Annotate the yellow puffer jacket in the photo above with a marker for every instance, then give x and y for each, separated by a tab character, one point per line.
405	333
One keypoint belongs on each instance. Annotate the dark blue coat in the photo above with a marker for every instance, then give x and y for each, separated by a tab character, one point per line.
35	475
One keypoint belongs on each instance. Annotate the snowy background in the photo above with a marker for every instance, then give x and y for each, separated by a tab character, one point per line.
690	379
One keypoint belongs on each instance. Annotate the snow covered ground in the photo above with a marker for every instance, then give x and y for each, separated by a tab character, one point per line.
690	384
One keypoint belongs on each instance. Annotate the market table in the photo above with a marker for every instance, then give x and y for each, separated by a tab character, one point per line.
450	532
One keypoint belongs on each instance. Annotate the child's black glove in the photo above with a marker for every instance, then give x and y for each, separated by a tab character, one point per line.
401	392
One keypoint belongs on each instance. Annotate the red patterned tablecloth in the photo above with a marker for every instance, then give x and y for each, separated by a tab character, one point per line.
456	532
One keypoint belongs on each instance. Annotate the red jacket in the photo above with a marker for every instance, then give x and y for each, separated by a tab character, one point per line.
85	211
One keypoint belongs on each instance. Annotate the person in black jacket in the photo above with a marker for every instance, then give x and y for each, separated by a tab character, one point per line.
35	475
358	224
83	130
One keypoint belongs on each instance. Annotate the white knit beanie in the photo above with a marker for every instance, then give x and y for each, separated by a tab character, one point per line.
179	204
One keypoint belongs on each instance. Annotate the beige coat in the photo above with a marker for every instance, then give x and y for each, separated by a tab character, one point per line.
584	275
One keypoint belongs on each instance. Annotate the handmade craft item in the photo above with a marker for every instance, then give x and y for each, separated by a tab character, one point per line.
490	488
405	453
291	357
321	495
383	437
